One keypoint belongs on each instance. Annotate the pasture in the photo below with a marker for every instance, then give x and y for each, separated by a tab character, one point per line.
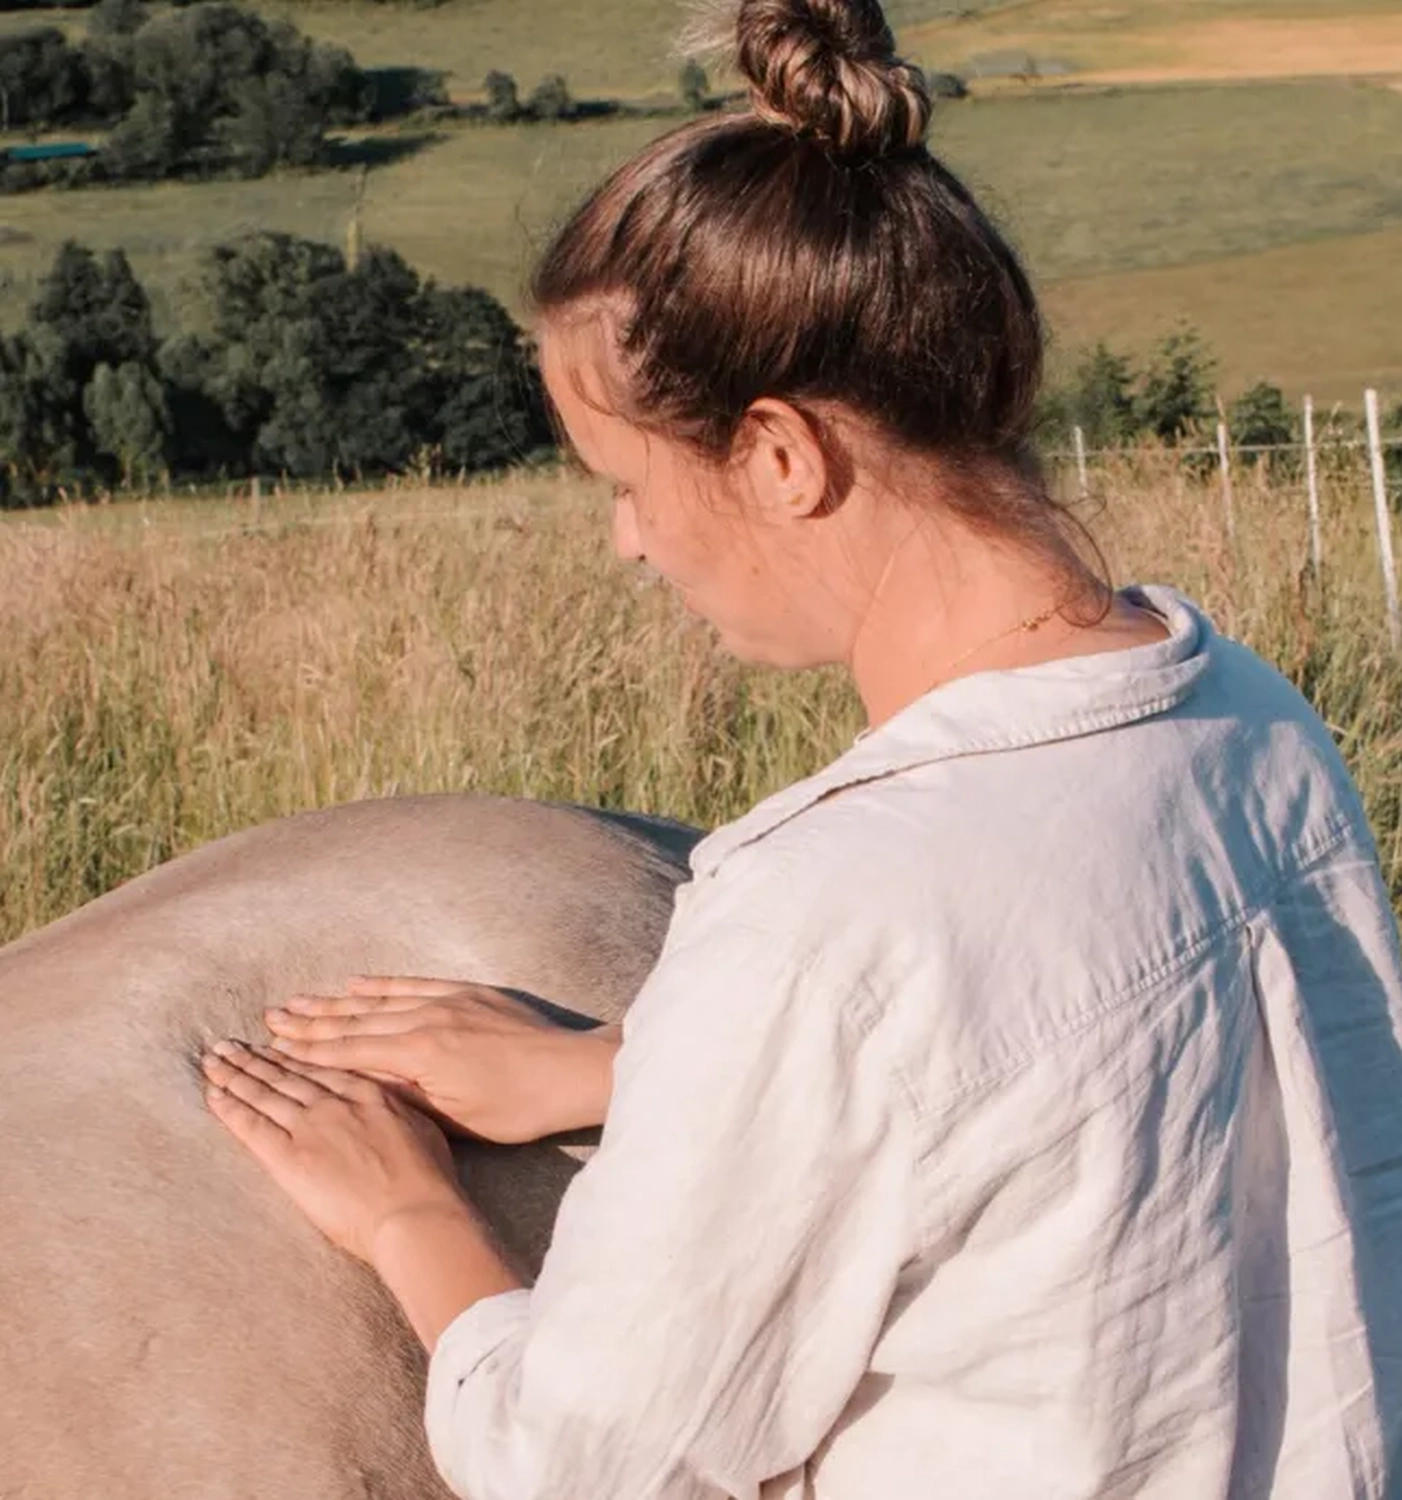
173	670
1172	40
1265	213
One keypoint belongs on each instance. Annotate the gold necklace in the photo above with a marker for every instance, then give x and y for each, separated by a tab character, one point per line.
1027	626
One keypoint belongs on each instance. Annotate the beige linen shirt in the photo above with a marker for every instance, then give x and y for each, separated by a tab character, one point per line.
1015	1111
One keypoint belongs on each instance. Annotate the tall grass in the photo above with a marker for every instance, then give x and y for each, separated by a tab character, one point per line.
169	674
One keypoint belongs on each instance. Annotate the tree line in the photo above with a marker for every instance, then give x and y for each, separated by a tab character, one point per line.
1172	399
1116	402
200	91
294	362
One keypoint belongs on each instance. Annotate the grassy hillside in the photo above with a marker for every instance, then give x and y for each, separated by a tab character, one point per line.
1308	317
1265	212
1098	188
171	673
1170	39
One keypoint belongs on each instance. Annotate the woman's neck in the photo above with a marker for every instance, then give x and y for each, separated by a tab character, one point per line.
949	602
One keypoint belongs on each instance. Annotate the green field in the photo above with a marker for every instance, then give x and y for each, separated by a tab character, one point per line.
1265	212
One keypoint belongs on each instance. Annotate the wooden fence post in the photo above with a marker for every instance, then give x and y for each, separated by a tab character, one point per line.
1312	481
1081	463
1384	515
1224	456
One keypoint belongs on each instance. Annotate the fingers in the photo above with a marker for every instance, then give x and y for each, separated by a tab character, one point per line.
245	1123
231	1075
265	1068
339	1062
376	1022
360	1003
369	1055
402	986
278	1087
325	1080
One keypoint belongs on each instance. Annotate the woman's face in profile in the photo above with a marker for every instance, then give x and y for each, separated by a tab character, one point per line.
675	512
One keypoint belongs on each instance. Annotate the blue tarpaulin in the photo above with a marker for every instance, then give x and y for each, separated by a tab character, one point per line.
49	152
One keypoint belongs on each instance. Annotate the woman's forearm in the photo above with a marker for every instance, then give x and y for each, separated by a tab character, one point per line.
436	1262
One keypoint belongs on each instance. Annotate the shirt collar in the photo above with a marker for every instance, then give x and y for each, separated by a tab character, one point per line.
1007	710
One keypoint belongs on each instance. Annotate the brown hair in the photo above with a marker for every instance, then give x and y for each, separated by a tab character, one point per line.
812	249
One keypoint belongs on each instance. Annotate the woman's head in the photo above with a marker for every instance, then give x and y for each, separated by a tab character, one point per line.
805	261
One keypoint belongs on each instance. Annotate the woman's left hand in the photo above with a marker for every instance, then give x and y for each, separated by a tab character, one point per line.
349	1153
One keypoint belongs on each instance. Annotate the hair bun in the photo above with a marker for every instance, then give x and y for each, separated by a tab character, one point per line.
829	68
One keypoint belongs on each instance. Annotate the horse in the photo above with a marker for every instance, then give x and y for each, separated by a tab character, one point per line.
173	1326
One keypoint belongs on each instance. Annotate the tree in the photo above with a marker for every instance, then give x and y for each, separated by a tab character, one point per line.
24	446
41	79
90	311
551	99
1101	398
301	363
96	308
107	65
481	396
693	86
238	90
317	368
126	408
1176	391
503	102
150	143
1261	418
273	122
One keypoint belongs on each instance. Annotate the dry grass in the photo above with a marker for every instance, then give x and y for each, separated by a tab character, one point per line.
171	673
1176	40
1231	50
1305	317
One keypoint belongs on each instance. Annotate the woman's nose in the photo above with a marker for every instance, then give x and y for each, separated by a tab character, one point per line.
627	544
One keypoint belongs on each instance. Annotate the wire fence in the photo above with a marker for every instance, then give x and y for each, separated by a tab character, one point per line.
250	507
1226	456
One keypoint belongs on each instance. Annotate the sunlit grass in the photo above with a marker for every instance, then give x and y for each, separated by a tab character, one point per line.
171	673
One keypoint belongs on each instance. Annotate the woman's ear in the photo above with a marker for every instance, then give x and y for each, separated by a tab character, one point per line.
784	463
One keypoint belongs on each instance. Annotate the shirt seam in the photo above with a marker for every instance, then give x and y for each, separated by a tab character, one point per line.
1335	832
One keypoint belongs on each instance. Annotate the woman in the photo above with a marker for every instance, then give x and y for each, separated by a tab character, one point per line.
1016	1108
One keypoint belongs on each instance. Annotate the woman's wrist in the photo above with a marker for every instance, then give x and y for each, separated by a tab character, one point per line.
584	1101
437	1259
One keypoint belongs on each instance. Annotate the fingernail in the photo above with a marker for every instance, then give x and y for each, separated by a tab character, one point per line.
277	1011
223	1048
278	1045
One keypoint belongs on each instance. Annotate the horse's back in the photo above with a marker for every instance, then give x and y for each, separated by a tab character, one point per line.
173	1325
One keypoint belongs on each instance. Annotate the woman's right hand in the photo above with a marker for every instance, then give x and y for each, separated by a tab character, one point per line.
477	1058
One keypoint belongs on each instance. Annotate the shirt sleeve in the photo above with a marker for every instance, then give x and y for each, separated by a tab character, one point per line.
721	1269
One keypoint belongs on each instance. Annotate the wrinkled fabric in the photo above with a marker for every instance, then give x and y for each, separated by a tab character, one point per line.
1015	1110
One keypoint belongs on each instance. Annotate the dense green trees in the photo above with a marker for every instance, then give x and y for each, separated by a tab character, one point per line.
1113	402
204	90
1261	418
91	314
301	366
